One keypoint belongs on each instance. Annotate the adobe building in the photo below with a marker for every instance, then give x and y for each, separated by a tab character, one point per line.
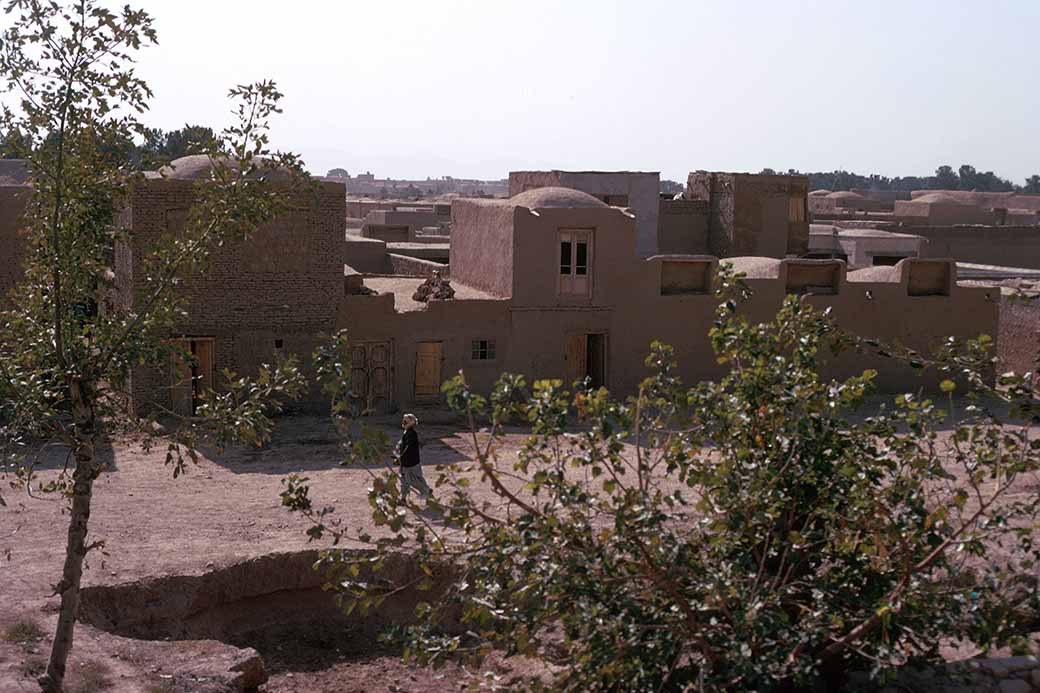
682	226
404	225
636	190
886	197
844	202
1001	208
14	196
754	214
277	292
1007	246
548	284
863	247
940	208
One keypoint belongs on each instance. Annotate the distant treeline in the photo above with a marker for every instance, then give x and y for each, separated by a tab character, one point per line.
964	178
946	178
156	148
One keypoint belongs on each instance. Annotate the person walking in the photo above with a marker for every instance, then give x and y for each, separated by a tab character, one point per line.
407	454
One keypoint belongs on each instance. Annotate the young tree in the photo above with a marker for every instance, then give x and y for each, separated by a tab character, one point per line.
66	351
744	534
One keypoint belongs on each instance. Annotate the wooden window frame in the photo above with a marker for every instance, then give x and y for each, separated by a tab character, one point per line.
483	349
569	278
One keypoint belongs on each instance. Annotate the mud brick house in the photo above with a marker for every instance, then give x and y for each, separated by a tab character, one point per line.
825	202
863	247
754	214
549	284
636	190
277	291
942	209
722	214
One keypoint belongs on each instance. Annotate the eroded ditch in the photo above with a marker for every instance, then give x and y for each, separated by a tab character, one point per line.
274	604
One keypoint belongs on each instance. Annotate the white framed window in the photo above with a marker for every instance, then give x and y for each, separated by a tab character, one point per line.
482	350
575	262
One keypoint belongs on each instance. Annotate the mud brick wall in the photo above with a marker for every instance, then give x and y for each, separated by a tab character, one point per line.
417	267
1009	246
749	213
1018	345
13	199
275	291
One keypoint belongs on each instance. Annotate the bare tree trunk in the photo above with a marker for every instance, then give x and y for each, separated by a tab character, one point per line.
76	548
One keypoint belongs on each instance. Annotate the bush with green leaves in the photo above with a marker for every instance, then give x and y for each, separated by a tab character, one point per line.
758	532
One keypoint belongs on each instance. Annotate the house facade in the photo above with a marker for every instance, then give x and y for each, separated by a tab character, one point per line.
550	286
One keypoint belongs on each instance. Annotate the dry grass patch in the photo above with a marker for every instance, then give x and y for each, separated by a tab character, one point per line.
34	667
24	632
88	677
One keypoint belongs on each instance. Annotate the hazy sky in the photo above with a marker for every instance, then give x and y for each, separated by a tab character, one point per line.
416	88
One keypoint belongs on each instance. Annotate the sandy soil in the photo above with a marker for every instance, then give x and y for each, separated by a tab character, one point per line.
223	511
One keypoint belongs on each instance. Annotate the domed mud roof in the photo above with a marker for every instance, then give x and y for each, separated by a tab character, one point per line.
540	198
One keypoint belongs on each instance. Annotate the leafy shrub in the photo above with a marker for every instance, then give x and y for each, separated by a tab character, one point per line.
744	534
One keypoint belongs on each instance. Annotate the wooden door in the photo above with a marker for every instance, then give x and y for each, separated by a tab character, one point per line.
370	364
181	382
379	364
192	376
596	359
576	355
428	369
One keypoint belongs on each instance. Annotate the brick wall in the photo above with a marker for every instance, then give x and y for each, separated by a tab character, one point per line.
284	283
13	199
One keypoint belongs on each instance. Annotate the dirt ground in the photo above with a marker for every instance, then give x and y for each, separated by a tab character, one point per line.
222	512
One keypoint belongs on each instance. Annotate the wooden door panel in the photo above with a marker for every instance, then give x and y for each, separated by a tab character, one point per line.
204	365
180	375
370	364
576	355
428	369
191	370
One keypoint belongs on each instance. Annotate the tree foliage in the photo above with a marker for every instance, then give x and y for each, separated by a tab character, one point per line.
745	534
945	178
67	346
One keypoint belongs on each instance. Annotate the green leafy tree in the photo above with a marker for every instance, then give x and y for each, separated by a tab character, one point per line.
161	147
1032	184
744	534
946	178
12	145
66	349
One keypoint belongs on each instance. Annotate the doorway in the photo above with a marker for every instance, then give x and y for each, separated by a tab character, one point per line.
370	369
586	357
192	367
428	356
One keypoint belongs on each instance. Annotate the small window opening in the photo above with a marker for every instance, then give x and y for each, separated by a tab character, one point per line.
483	349
581	263
565	257
278	344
